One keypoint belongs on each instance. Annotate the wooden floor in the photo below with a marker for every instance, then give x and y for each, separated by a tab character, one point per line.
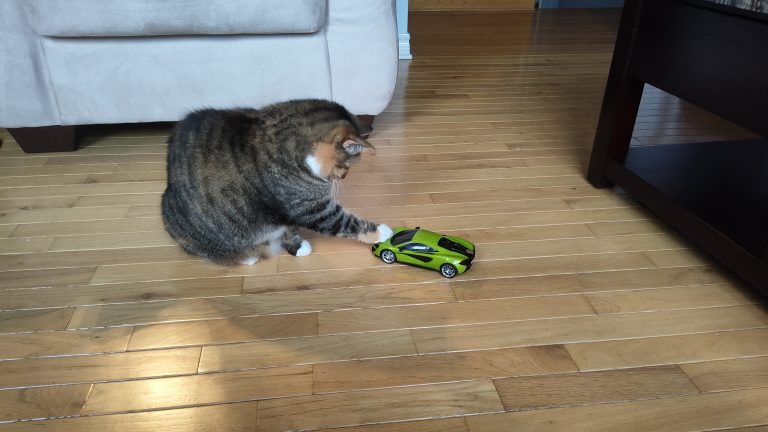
583	313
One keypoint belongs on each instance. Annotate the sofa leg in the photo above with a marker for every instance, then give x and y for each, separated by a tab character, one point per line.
368	121
45	139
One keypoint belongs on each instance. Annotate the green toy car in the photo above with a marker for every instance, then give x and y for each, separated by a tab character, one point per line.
448	255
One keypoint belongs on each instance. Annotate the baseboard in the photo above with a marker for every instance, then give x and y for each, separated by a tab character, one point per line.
470	5
563	4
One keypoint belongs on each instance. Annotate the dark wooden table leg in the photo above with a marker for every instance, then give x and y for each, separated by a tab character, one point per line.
45	139
620	102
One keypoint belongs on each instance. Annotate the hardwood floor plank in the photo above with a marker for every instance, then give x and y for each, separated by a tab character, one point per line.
131	292
526	219
6	230
694	413
58	343
557	265
50	260
22	404
436	210
735	374
604	229
257	304
514	194
305	350
340	278
118	199
438	368
230	417
106	226
48	278
690	348
455	424
24	245
374	406
239	329
550	391
688	297
83	189
678	258
40	215
34	320
585	282
139	239
192	268
100	367
610	201
587	329
176	392
346	321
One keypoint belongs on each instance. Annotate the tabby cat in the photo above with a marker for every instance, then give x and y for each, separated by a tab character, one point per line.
241	181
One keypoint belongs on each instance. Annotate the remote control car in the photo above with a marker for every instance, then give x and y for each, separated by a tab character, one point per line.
446	254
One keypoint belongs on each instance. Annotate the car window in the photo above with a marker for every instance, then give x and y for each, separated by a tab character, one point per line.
418	247
452	246
402	237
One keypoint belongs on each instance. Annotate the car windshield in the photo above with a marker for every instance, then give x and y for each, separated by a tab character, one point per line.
452	246
402	237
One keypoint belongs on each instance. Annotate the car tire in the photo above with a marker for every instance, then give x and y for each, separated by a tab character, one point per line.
448	270
388	256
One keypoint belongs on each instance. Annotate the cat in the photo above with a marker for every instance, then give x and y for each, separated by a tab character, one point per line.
242	181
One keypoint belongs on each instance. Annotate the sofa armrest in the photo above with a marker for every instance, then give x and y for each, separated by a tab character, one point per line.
362	46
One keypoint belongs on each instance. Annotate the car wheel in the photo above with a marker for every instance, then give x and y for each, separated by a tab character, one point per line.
388	256
448	270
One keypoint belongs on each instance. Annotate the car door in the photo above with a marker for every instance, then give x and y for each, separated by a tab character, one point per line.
417	254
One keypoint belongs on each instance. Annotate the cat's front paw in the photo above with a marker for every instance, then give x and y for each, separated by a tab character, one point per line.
305	249
384	233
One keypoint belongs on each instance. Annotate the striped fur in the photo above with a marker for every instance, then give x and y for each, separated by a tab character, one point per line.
239	179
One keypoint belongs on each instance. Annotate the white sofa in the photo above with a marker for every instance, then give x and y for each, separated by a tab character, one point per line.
76	62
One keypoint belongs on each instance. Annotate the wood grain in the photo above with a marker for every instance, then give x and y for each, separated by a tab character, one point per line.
55	343
456	424
258	304
192	390
83	369
304	350
687	297
373	406
585	282
34	320
690	413
22	404
451	314
670	349
230	417
741	373
130	292
240	329
436	368
549	391
585	329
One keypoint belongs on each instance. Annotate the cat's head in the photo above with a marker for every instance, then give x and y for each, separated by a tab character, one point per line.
337	151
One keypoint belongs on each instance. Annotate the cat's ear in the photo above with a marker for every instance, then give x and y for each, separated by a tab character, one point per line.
355	146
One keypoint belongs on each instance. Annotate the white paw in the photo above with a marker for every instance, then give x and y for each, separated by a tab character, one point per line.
250	261
385	233
305	249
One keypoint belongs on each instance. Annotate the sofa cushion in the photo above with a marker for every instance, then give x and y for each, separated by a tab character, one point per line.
84	18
